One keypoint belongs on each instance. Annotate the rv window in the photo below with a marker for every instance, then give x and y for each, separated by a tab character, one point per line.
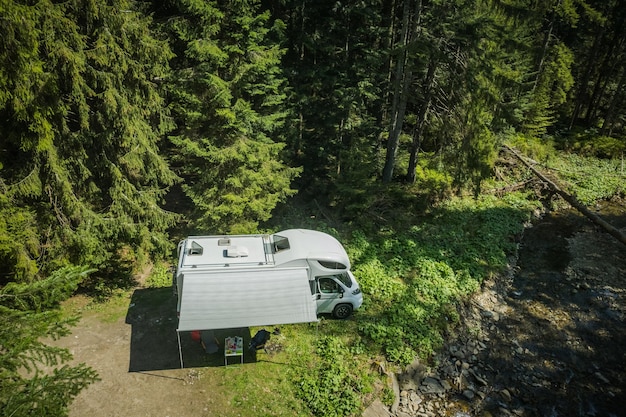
332	265
195	249
280	243
328	285
343	278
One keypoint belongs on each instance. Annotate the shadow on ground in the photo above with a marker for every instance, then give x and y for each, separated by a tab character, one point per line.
154	340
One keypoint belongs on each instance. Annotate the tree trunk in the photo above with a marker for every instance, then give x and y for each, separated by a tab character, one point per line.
604	75
609	117
397	109
387	44
403	80
544	49
421	119
582	96
573	201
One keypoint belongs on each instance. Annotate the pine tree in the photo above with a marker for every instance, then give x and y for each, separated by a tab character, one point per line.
83	124
600	70
227	95
335	65
34	379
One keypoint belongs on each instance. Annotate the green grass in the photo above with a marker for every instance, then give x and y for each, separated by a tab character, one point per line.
260	389
160	276
591	179
108	310
412	276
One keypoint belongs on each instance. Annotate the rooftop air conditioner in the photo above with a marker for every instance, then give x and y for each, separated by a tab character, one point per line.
236	251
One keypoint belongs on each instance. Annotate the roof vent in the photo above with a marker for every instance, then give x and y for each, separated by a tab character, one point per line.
223	242
236	251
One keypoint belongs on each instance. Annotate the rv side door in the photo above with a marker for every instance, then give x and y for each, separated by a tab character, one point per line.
328	293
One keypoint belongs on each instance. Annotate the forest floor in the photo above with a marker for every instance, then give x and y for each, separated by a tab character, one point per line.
548	339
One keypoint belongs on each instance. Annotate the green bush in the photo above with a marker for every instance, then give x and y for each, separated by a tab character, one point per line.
589	143
160	276
591	179
331	385
412	278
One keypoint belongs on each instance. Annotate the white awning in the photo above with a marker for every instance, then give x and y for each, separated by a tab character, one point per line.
234	299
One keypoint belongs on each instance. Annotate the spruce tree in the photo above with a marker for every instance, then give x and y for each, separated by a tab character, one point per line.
227	93
82	125
335	64
34	376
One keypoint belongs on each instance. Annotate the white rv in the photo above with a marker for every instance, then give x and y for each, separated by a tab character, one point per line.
249	280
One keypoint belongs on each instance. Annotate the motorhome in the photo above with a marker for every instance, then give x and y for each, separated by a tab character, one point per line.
262	279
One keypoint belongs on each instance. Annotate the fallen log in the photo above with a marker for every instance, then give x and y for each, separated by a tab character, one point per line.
572	200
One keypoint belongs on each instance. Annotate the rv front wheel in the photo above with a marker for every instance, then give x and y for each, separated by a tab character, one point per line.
342	311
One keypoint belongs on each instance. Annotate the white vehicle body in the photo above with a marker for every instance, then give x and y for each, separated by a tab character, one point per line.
241	272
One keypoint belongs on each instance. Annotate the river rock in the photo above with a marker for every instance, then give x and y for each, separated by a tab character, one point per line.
602	378
506	395
469	394
376	409
415	398
431	385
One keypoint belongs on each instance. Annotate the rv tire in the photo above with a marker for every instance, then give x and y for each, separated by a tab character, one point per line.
342	311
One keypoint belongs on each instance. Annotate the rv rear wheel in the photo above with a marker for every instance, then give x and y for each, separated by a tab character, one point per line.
342	311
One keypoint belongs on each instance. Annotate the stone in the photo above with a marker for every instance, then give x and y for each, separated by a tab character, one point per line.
376	409
406	383
449	370
490	315
431	385
469	394
478	378
415	398
506	395
446	385
602	377
459	354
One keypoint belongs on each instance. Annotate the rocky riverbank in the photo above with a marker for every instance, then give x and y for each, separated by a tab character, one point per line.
545	339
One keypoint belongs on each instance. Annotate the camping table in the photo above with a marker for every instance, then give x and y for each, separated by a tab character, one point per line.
233	346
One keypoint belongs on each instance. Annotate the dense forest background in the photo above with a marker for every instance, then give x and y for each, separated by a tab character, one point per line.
121	120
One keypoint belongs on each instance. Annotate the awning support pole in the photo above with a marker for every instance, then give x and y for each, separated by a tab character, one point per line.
180	350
